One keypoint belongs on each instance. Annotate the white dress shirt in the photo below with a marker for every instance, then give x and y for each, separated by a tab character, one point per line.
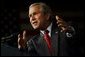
67	33
48	28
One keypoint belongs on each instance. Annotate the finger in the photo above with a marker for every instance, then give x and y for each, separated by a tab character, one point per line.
24	34
58	18
18	35
18	39
21	41
62	25
60	22
63	28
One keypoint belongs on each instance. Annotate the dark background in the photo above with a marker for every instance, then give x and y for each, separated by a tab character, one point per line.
13	18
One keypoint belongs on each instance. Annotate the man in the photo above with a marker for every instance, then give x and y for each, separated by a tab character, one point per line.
58	34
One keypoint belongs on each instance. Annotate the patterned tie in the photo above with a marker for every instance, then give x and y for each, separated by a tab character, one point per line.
47	38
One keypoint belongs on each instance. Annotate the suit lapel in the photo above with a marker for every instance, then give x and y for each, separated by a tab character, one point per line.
55	38
42	48
55	42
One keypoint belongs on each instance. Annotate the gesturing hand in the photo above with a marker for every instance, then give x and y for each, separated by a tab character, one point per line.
62	24
22	39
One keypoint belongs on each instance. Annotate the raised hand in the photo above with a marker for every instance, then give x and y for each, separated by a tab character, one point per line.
22	39
62	24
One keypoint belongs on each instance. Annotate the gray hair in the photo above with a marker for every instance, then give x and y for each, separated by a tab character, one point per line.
45	9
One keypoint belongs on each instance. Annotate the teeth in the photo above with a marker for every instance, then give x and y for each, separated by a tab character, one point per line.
34	22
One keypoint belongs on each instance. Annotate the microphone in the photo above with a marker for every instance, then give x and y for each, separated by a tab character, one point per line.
7	38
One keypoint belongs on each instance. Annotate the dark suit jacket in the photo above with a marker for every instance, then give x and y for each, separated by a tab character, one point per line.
36	46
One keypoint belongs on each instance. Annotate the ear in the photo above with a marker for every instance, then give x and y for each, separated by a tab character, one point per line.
48	16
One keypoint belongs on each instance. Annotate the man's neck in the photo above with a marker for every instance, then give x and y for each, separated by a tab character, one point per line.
46	26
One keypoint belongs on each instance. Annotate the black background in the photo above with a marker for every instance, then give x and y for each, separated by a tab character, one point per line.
12	16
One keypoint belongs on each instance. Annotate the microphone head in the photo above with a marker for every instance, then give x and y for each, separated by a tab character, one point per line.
10	37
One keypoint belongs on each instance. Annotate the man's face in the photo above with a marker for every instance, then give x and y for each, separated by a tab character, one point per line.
37	17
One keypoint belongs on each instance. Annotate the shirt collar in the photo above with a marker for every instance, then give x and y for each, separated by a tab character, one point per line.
48	28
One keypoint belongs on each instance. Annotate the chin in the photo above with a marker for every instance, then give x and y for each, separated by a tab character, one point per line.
35	27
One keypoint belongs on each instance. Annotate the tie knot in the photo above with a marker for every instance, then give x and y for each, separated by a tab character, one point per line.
46	31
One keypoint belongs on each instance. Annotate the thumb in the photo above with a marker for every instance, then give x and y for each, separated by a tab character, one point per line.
24	34
58	18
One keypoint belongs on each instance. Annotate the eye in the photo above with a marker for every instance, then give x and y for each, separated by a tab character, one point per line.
30	15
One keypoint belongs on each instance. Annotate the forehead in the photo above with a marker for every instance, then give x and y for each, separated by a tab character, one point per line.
34	9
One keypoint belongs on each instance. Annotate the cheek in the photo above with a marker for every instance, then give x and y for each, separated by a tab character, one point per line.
30	21
41	22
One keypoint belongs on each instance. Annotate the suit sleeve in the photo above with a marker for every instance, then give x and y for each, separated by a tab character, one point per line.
70	32
29	50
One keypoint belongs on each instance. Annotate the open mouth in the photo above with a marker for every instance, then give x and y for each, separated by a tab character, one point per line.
34	23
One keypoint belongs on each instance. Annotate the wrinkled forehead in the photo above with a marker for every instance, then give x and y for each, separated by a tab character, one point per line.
37	5
36	8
